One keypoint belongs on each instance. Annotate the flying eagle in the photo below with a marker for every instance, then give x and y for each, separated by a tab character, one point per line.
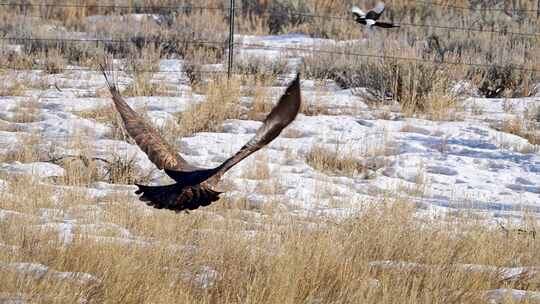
193	186
370	18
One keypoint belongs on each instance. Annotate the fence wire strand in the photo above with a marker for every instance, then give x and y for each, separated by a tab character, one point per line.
114	6
200	7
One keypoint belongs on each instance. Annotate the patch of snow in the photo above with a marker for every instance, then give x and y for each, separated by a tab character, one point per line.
14	215
65	126
39	271
9	141
504	273
64	230
14	298
12	49
66	104
502	295
206	277
37	169
438	165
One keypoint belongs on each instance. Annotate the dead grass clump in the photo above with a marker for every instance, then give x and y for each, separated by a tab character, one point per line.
84	171
106	115
316	106
260	169
443	108
526	124
121	170
80	171
142	85
171	33
194	74
504	81
334	162
311	109
411	83
27	111
26	151
54	61
12	89
25	195
262	103
439	104
221	103
259	65
142	65
523	129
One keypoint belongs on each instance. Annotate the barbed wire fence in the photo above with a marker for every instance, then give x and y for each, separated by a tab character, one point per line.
230	44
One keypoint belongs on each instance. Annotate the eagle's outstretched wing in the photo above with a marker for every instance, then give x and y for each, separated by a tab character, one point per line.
280	116
147	138
192	189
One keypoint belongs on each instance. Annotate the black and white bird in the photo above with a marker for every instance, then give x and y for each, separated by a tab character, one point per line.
370	18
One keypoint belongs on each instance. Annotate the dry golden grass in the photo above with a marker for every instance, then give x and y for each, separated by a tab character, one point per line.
26	111
26	150
25	195
334	162
79	171
421	87
262	103
227	253
443	107
83	169
142	65
522	128
222	255
314	106
12	89
109	116
259	170
222	97
143	86
369	154
121	170
55	61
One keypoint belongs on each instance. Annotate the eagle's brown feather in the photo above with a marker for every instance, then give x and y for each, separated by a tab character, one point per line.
192	188
147	138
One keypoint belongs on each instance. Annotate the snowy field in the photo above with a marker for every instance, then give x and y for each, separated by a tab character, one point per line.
462	164
465	164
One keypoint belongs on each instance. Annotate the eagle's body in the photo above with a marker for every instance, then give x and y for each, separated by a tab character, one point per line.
194	186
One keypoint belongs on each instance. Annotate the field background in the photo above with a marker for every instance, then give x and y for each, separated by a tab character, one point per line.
410	176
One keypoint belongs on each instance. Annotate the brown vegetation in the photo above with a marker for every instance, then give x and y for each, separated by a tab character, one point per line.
279	260
221	103
232	252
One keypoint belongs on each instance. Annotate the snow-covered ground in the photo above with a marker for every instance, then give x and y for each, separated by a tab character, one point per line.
439	165
465	164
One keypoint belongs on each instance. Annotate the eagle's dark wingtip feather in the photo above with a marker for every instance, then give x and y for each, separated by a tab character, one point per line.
296	81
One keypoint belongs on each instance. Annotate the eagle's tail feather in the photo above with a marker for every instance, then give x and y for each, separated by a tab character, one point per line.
176	197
